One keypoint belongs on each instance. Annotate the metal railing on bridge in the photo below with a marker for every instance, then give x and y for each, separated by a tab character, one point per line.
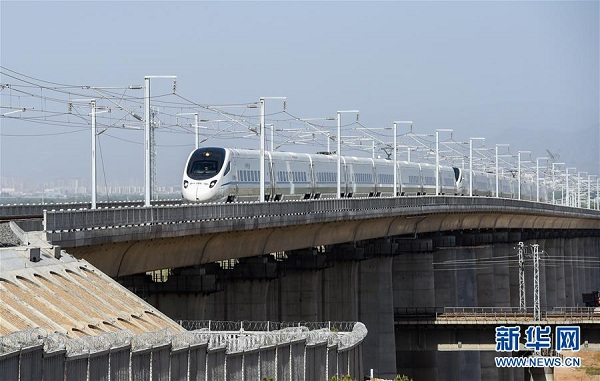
265	326
492	315
21	211
293	211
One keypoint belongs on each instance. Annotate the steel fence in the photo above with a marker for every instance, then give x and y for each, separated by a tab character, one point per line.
294	211
293	353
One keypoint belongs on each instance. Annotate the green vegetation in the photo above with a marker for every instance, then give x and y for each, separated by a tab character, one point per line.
347	377
591	371
402	378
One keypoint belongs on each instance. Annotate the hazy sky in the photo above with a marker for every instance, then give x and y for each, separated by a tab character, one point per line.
524	73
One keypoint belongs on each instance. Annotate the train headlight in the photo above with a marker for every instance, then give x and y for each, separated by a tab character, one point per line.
186	183
212	183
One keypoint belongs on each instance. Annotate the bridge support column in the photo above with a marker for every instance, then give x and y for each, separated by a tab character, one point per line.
551	282
377	313
486	289
340	292
413	280
300	296
445	280
501	272
559	247
470	366
595	278
569	255
543	270
467	277
447	367
541	374
589	272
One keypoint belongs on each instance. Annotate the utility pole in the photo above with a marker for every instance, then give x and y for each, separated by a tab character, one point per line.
522	305
149	159
94	195
537	315
261	196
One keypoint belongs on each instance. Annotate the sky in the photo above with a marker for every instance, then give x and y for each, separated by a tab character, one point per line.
516	72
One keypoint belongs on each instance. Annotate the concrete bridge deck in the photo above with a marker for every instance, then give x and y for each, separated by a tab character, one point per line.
124	241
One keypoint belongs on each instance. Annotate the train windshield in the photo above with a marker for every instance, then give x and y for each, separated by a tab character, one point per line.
205	163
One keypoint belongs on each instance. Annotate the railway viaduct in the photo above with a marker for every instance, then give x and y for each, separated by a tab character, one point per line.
375	260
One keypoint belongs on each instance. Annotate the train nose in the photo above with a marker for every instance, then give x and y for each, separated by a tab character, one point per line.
205	190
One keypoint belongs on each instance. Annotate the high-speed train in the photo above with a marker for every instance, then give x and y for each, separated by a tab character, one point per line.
229	174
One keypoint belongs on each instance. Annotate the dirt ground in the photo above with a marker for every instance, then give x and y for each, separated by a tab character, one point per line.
589	371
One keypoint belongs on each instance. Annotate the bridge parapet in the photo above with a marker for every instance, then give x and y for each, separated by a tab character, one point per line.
309	211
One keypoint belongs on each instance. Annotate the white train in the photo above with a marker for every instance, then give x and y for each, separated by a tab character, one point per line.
228	174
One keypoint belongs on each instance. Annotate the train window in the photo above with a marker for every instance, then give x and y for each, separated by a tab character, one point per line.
227	169
205	163
204	167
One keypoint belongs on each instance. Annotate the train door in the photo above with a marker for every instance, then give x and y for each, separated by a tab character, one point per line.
311	177
374	184
235	189
428	175
344	178
269	178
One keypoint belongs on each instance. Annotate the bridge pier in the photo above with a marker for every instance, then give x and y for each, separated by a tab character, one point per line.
486	288
541	374
413	280
340	292
376	311
570	249
551	279
501	272
445	279
368	280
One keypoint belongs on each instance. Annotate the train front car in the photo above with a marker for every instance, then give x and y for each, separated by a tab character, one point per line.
204	173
